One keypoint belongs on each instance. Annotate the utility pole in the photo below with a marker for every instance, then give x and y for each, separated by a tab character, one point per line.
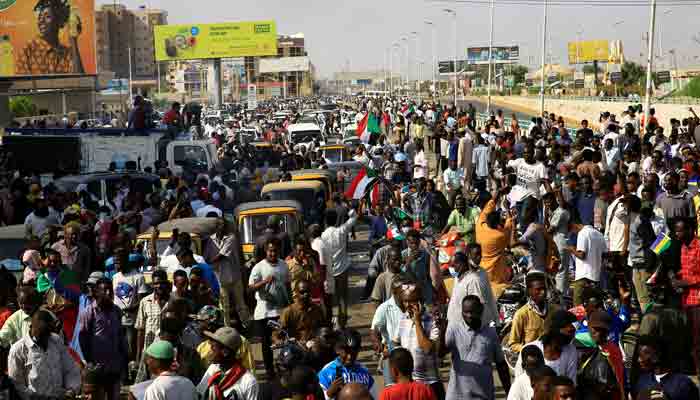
544	55
454	14
434	63
650	63
488	86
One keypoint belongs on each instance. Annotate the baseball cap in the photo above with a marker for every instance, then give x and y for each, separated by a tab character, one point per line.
161	350
226	336
208	313
95	276
600	319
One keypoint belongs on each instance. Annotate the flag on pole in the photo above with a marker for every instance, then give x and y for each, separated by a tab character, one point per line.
661	244
367	126
407	110
364	183
395	234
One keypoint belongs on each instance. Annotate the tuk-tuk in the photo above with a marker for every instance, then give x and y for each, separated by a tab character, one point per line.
351	168
12	242
199	229
334	153
267	162
252	220
327	177
310	194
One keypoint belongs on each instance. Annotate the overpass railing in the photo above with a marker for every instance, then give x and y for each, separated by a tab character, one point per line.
682	100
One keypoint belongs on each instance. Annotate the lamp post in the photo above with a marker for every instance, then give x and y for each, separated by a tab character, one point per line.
434	64
544	55
416	49
488	85
405	41
454	14
650	63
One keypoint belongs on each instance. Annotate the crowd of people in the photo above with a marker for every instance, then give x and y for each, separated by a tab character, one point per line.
597	224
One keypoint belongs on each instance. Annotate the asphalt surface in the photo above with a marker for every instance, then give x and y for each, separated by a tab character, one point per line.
480	106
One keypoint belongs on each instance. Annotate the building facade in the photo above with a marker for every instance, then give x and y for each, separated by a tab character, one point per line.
120	31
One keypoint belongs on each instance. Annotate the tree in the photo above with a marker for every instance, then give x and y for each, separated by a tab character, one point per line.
632	74
518	72
692	89
22	106
588	69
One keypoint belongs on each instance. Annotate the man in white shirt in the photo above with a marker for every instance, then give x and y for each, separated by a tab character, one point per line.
612	156
226	375
167	385
532	358
589	249
453	178
529	174
39	364
335	240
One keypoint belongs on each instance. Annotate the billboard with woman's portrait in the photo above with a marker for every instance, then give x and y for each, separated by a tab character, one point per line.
47	37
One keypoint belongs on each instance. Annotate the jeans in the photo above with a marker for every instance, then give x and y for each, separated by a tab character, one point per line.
233	292
562	277
386	372
341	296
266	332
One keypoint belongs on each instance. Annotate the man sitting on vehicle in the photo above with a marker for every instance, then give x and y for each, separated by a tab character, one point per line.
302	318
528	322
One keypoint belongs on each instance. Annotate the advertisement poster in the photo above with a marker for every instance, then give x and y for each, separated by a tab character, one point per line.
499	54
202	41
47	37
588	51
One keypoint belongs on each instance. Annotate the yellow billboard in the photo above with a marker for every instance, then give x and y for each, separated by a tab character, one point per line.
588	51
230	39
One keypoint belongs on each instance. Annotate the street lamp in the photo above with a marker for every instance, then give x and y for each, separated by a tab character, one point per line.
394	45
405	41
488	86
544	54
454	14
434	65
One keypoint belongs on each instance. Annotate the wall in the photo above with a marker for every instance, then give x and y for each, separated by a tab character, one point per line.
574	111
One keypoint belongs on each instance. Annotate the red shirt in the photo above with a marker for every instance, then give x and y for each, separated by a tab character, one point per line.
4	315
171	117
690	272
408	391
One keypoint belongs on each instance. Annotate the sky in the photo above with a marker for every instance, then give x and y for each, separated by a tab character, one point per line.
356	34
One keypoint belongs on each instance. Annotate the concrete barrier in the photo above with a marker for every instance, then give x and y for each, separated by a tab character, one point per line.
575	110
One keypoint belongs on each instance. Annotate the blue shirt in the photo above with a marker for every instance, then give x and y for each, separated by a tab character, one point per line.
585	204
675	386
209	276
453	150
354	374
378	228
620	323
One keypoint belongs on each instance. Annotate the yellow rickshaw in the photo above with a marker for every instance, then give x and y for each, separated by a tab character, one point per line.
327	177
310	194
252	220
333	153
199	229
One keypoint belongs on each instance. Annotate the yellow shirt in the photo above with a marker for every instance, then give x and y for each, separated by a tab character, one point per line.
527	326
244	354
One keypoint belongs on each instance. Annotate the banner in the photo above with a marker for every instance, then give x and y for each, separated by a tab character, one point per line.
448	67
588	51
231	39
47	37
284	64
499	55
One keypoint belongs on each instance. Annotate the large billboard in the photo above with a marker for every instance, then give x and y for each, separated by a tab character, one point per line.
448	67
499	55
231	39
47	38
284	64
588	51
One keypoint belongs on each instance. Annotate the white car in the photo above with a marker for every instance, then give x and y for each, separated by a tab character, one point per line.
306	134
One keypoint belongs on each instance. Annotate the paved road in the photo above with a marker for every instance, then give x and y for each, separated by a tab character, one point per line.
480	106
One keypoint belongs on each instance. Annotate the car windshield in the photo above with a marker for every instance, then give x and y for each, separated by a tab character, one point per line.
253	226
305	136
333	155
